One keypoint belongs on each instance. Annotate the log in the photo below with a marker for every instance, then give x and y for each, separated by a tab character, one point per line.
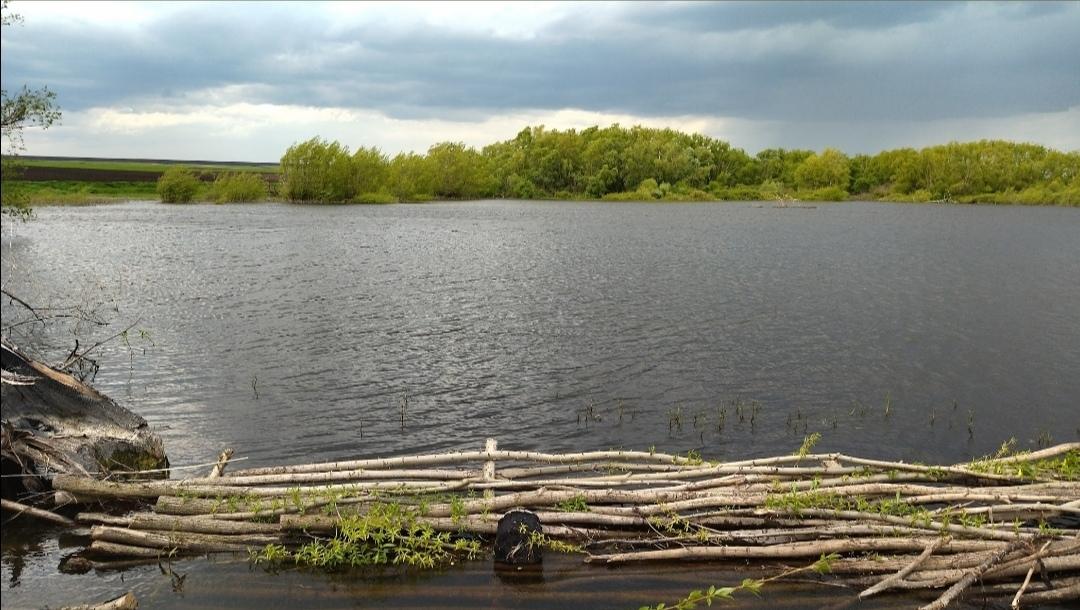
1063	594
37	513
112	549
473	456
793	550
966	581
199	525
908	569
183	541
126	601
1027	581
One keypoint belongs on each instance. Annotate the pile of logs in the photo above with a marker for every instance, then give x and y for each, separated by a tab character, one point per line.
1003	523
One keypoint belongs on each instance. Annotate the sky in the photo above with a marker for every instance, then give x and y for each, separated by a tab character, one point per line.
242	81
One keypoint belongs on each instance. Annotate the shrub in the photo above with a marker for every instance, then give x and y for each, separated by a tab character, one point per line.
379	197
238	187
177	185
738	193
626	196
829	193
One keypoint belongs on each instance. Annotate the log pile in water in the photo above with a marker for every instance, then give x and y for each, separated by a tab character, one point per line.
881	525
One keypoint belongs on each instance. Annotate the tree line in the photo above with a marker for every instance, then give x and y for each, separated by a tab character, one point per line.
640	163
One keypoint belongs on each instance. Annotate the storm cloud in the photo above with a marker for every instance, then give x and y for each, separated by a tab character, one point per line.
878	66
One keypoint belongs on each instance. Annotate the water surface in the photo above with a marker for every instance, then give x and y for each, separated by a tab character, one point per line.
292	333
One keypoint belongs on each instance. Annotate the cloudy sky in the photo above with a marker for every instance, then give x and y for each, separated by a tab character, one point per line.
242	81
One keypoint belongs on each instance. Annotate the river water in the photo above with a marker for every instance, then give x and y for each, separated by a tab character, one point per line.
292	333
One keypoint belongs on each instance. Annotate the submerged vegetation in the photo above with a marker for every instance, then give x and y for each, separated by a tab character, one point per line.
644	164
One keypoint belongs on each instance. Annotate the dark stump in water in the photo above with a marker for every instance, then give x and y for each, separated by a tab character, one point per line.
53	423
512	538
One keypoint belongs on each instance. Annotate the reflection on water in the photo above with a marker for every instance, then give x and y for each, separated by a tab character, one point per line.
290	333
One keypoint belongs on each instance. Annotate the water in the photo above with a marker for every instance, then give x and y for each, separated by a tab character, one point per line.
291	333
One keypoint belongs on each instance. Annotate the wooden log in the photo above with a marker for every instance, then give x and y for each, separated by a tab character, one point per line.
126	601
474	456
795	549
881	564
966	581
935	579
37	513
908	569
337	476
112	549
200	525
88	487
183	541
985	532
1063	594
103	519
1015	604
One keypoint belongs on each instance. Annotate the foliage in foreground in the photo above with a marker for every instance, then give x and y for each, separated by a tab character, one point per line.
388	533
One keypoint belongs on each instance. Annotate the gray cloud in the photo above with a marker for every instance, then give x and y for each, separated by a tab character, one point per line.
835	61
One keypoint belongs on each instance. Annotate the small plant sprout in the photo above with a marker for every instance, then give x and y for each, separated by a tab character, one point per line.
808	444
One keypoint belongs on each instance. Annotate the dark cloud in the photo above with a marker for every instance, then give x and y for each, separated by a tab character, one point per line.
775	61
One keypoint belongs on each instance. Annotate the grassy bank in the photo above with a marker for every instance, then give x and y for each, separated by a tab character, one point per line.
69	192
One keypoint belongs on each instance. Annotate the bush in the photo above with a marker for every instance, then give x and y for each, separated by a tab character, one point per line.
379	197
738	193
238	187
177	185
418	198
829	193
626	196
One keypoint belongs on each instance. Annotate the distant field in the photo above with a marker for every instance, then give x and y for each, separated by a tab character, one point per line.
145	165
75	181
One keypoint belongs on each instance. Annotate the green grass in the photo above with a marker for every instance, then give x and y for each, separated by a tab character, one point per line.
76	192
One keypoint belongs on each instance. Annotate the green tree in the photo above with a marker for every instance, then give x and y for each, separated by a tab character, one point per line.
411	178
829	169
318	171
371	170
458	171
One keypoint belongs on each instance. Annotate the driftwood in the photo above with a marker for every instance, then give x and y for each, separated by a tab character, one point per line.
126	601
936	528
